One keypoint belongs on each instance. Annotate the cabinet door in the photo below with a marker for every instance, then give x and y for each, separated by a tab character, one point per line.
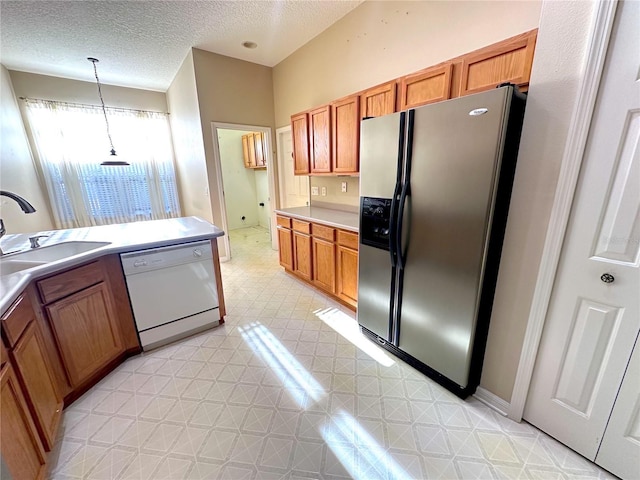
345	116
324	264
252	150
507	61
302	255
32	365
300	138
378	101
320	139
22	451
258	143
428	86
285	247
245	150
86	331
347	268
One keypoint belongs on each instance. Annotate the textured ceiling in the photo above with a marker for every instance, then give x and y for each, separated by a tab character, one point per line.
143	43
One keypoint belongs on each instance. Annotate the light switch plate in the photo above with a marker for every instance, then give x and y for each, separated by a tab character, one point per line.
324	191
344	187
314	190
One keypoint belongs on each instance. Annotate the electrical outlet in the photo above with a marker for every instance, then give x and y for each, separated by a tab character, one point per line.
314	190
324	191
344	187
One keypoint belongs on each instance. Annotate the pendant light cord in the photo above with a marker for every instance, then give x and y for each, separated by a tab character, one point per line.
104	110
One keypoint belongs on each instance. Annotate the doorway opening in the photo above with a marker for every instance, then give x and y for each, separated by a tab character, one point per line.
245	188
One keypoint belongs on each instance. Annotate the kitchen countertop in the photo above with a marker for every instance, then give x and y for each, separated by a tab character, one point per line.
327	216
124	237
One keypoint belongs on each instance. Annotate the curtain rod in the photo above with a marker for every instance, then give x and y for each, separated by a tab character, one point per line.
26	99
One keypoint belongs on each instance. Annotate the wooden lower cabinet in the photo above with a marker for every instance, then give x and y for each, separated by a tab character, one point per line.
86	331
347	273
324	264
322	255
32	365
302	255
22	452
285	252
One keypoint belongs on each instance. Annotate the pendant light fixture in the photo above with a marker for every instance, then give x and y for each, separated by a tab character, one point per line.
112	162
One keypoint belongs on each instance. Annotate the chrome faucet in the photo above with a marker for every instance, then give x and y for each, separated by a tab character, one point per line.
24	205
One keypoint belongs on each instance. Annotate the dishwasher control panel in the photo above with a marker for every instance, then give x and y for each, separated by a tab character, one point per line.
163	257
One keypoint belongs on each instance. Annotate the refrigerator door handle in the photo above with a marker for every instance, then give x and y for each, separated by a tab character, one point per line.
393	215
406	193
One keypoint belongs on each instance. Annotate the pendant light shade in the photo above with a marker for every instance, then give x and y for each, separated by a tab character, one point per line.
111	162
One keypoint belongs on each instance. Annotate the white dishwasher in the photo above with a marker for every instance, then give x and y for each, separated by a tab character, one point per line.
172	291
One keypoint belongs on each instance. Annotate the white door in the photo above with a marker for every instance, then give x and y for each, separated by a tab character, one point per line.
594	316
294	189
620	449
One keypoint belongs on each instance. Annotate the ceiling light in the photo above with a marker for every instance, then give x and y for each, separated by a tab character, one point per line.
106	120
249	45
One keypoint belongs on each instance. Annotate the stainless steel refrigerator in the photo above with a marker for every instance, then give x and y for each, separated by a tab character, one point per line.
435	184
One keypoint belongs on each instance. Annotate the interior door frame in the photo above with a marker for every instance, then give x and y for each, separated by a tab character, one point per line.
279	150
565	190
273	197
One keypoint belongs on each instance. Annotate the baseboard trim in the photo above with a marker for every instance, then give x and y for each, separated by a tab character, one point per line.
492	401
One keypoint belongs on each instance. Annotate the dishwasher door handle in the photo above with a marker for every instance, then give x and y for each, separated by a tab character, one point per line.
140	263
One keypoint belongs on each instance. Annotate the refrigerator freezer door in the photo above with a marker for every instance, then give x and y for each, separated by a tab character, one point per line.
374	290
454	167
379	144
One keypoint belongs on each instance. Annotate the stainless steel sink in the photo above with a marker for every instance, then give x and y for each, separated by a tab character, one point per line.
17	262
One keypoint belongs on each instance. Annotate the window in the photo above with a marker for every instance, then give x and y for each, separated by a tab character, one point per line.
71	142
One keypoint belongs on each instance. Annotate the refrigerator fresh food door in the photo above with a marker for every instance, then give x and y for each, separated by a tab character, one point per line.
457	147
381	147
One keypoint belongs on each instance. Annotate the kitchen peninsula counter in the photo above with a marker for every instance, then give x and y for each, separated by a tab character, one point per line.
125	237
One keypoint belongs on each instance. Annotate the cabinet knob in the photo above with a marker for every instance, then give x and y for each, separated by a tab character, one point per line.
607	278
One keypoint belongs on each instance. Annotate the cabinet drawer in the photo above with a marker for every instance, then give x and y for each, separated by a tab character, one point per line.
320	231
283	221
16	319
348	239
302	227
63	284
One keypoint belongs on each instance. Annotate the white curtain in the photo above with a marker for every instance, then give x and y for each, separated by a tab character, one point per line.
71	142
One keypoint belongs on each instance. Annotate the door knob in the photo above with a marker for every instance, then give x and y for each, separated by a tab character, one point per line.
607	278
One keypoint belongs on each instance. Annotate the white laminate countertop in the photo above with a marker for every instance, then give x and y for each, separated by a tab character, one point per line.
123	237
327	216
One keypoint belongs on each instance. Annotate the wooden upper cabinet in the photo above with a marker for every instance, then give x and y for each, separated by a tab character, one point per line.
507	61
300	138
345	129
427	86
320	139
258	142
378	101
245	150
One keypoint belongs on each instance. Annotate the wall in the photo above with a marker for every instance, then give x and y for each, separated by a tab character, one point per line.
67	90
188	144
262	192
17	170
240	192
380	41
230	91
557	69
351	198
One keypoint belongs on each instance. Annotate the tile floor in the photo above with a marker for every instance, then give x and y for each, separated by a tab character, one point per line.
288	389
